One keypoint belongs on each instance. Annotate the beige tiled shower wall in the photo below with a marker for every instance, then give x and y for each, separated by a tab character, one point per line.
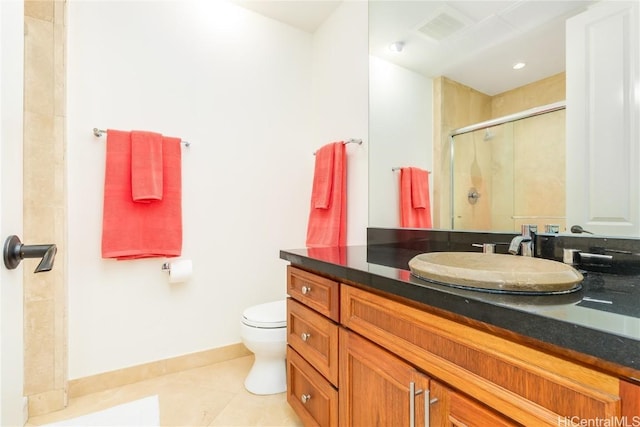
542	92
45	296
456	106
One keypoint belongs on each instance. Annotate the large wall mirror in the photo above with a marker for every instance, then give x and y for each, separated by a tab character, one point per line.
439	66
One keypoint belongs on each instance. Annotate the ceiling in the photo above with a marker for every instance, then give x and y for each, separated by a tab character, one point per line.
306	15
473	42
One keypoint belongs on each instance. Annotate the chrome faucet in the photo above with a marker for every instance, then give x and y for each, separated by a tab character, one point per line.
524	244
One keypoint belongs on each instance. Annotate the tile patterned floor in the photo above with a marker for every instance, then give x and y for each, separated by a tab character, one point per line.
213	395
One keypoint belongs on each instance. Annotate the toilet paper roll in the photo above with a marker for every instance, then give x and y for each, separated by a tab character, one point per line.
180	270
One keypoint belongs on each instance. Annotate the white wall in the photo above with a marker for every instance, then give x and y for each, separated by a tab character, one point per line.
238	86
340	93
401	120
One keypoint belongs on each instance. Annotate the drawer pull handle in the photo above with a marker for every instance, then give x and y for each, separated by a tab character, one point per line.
305	336
305	398
306	290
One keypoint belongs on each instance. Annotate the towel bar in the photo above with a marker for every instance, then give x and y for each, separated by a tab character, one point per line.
99	132
397	168
348	141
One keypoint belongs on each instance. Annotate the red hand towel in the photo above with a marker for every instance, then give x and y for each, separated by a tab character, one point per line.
141	230
419	188
323	177
146	166
415	207
328	226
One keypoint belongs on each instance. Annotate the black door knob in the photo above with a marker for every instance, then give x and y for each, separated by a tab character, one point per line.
15	252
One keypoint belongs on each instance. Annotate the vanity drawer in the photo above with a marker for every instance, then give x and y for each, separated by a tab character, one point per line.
317	292
315	337
311	396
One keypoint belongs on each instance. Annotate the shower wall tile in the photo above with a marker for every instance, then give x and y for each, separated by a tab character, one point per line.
502	177
540	162
542	92
455	105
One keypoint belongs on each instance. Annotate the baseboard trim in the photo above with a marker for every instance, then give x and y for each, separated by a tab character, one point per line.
46	402
108	380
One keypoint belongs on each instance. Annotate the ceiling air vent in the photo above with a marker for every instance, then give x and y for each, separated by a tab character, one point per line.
443	24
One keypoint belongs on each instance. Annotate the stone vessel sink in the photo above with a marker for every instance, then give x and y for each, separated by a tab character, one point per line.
496	272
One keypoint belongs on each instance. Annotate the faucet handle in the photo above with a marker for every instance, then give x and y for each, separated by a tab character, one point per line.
570	256
576	257
528	229
552	228
487	248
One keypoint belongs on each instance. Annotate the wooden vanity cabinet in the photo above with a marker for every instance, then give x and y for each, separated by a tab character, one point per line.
392	362
312	347
310	395
378	388
453	409
523	385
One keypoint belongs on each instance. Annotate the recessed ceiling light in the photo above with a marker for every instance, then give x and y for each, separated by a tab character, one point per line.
396	47
519	65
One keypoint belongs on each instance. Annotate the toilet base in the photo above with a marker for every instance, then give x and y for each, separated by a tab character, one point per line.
267	376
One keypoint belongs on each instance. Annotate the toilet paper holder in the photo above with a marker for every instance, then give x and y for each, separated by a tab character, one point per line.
179	271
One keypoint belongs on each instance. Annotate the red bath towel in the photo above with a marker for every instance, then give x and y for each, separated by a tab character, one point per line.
415	206
146	166
133	230
328	217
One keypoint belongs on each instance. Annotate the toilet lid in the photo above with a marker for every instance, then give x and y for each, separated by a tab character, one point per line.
268	315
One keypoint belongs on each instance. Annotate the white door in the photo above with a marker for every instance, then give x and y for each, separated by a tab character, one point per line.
603	119
11	309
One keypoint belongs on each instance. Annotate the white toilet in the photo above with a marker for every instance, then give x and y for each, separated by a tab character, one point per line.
264	332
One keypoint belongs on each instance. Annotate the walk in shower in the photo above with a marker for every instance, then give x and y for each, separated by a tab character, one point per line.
510	171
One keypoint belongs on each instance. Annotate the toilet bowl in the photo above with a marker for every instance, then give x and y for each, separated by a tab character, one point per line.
264	332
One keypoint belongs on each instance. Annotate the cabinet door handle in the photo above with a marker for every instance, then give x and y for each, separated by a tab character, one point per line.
306	290
412	403
427	414
427	407
305	336
305	398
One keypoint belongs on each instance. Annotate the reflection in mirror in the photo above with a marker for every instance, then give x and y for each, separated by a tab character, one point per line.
415	105
510	171
400	129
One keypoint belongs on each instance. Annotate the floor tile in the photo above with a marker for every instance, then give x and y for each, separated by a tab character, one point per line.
212	395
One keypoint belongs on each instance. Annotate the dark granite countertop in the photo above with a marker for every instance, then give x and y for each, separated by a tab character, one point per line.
600	320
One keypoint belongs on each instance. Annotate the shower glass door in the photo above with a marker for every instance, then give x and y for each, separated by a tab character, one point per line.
510	174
